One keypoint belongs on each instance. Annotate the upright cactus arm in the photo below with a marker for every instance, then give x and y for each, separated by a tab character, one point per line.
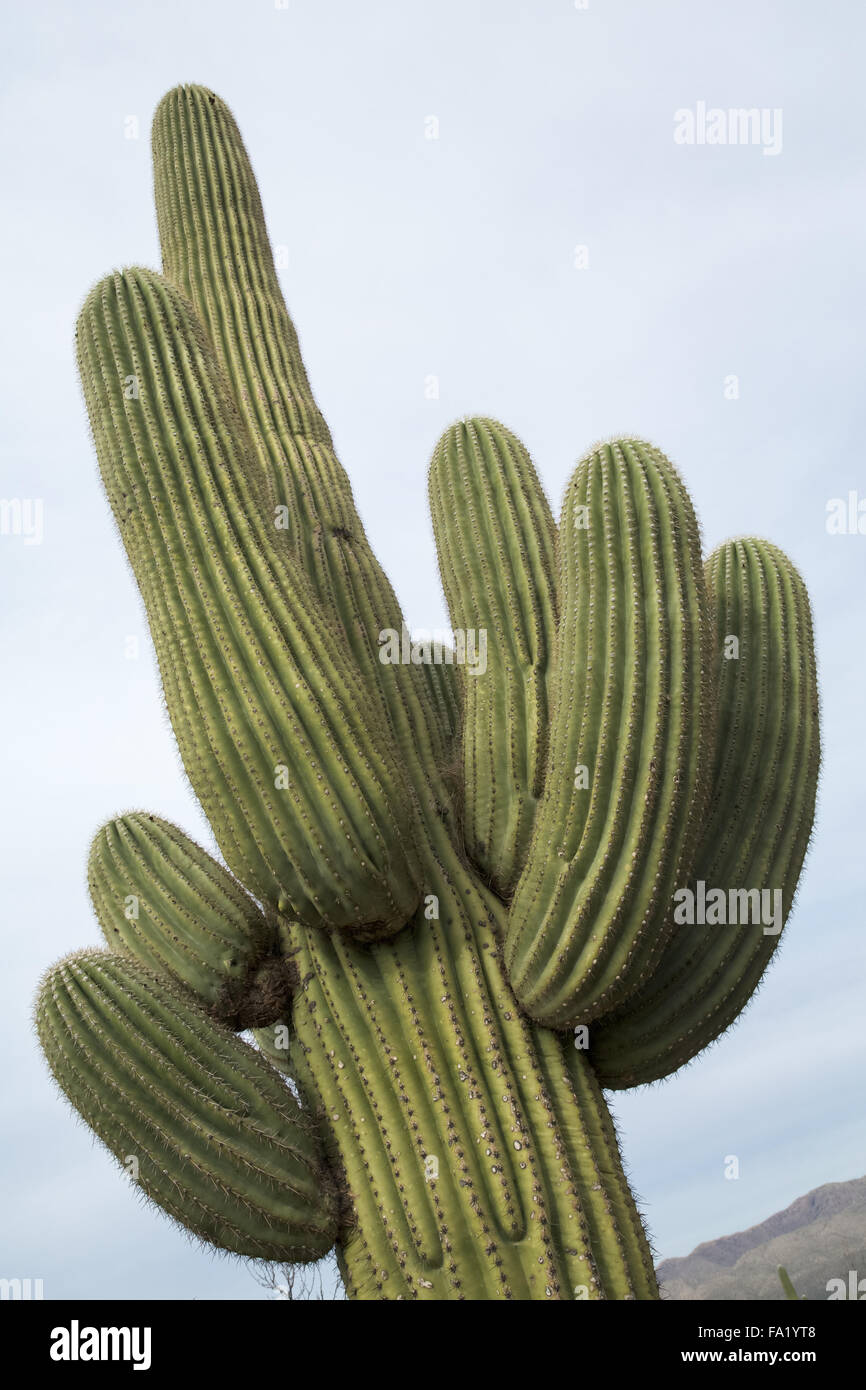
215	247
497	555
629	742
757	828
306	797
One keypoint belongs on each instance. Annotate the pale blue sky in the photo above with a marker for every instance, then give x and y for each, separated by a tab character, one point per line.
454	257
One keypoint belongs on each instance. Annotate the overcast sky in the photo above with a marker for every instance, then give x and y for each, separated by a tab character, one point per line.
409	258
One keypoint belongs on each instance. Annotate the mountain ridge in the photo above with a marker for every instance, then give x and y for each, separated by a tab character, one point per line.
821	1236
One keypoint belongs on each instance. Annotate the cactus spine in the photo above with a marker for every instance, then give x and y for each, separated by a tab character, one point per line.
411	948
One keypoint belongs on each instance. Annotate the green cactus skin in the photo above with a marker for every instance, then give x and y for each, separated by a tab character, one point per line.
449	1142
164	900
765	780
788	1286
497	552
632	706
219	1142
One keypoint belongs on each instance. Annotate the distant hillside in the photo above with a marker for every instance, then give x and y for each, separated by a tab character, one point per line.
819	1237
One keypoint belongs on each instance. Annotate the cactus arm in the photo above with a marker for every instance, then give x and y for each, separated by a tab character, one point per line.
758	824
216	249
496	541
217	1140
271	684
632	712
161	898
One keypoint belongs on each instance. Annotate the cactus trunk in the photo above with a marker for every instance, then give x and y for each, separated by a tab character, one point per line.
480	1157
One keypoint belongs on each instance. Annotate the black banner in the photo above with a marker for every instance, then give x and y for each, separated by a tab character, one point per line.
66	1338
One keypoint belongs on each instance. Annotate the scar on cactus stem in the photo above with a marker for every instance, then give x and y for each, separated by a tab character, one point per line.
431	886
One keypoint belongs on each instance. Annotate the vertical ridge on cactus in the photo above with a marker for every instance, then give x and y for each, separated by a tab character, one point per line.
435	876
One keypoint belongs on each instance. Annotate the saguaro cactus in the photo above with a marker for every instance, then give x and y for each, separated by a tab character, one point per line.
450	910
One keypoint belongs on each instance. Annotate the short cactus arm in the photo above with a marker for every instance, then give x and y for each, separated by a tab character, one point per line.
758	823
304	793
161	898
629	742
202	1123
496	541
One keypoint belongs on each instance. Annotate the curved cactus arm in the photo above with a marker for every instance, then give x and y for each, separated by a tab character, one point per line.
216	249
161	898
757	828
200	1120
496	540
305	796
629	743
